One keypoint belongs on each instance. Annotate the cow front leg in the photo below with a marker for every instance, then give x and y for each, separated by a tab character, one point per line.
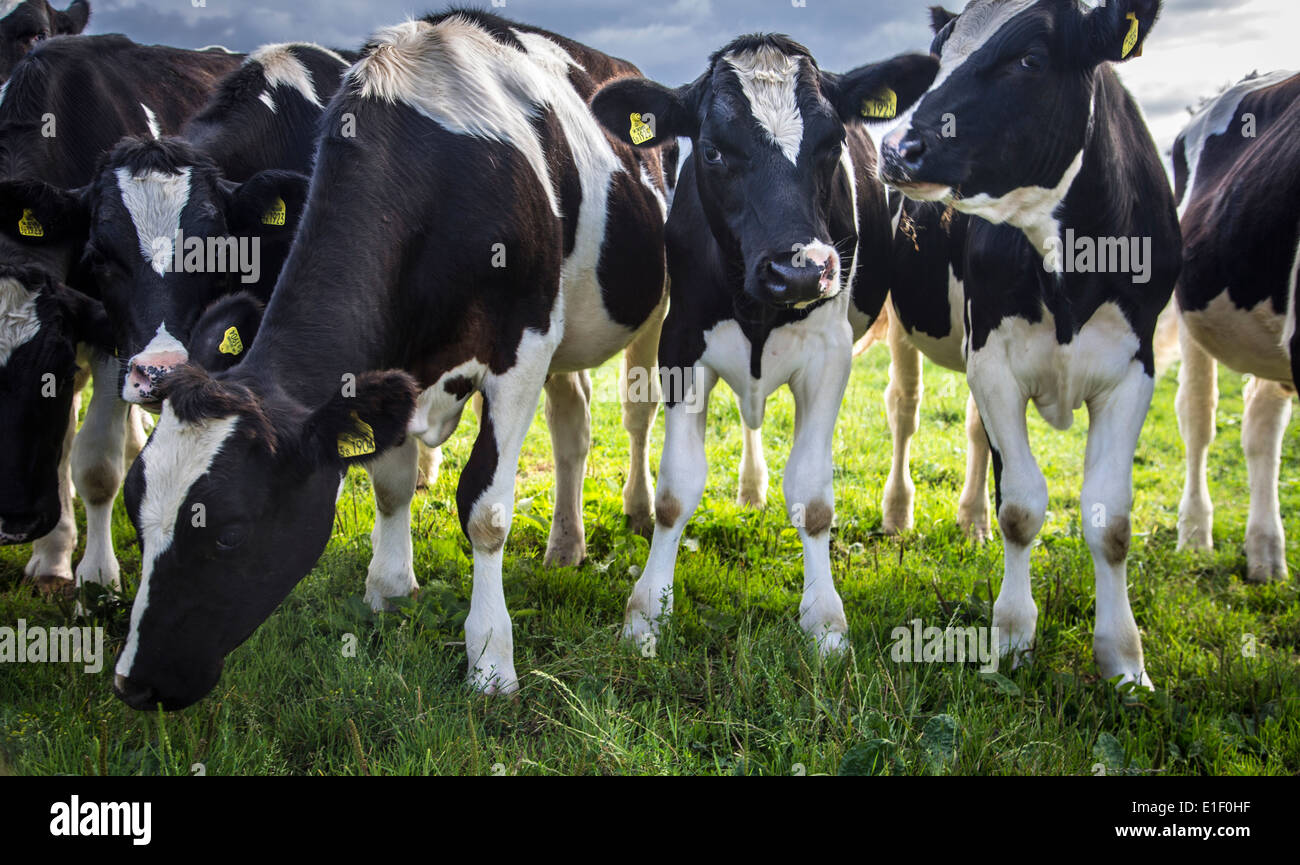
973	506
568	414
752	492
485	499
810	496
639	388
136	437
392	571
97	472
903	411
50	566
1198	395
1115	423
682	472
1263	426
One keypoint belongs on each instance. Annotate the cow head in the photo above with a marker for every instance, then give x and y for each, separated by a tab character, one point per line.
42	323
767	129
164	237
227	476
1002	130
26	23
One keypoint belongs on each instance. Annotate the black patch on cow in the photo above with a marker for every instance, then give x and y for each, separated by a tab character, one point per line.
458	386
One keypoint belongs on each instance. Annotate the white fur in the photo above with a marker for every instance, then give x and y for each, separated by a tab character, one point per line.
1031	208
1247	340
98	470
769	79
281	67
152	120
155	202
269	102
1289	328
19	322
7	7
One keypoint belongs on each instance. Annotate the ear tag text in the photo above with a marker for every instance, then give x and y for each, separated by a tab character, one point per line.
359	442
1131	38
29	225
276	213
231	344
882	106
642	128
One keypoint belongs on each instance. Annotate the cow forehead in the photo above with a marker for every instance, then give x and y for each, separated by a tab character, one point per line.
19	321
770	78
155	201
977	24
177	455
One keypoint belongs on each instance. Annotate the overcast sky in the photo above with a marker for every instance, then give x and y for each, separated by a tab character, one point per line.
1197	47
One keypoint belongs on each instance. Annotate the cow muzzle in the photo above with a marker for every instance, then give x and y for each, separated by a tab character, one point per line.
809	274
145	372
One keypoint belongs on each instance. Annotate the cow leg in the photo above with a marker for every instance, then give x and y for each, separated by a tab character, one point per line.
50	566
392	571
1022	505
1198	395
136	437
485	498
1263	425
682	472
810	496
1115	423
753	469
640	359
430	461
903	411
973	506
568	414
97	472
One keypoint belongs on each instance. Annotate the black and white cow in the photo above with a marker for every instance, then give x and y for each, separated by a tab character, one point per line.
1028	130
1237	179
778	250
66	104
24	24
469	223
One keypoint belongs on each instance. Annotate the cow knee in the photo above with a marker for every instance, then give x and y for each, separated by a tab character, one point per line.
487	527
1020	524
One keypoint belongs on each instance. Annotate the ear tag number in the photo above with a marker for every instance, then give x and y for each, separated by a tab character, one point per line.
642	128
1131	39
276	214
359	442
29	225
231	344
882	106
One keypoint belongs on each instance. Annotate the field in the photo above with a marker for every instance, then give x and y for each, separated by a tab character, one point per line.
732	689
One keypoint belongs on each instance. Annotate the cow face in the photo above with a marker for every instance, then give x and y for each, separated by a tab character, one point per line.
164	237
767	129
26	23
41	325
227	476
1001	132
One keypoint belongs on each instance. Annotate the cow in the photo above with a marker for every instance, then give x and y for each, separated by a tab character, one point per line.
24	24
1028	131
67	103
778	251
1237	181
418	277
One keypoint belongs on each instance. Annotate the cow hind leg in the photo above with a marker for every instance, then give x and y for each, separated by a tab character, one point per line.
973	506
1198	395
568	414
50	566
752	492
392	570
641	394
97	472
1263	426
430	462
903	411
1115	423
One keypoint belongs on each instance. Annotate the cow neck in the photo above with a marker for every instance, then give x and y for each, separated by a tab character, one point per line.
1100	201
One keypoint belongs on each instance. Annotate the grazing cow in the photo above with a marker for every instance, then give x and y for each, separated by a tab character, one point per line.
1028	130
777	212
1237	179
67	103
24	24
410	255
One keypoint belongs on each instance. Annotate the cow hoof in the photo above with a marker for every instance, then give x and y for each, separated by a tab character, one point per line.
566	555
976	530
105	573
1266	572
41	566
831	644
380	598
1266	560
1016	634
641	524
1195	532
53	587
494	679
755	499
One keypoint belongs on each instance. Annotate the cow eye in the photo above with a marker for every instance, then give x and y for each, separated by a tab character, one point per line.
712	155
1032	62
231	537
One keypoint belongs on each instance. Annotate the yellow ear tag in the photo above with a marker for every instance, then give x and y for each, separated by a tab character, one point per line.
276	214
1131	39
641	131
882	106
358	442
231	344
29	226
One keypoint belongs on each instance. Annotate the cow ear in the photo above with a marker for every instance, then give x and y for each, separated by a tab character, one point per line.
73	19
940	18
225	331
642	113
268	203
881	91
1115	31
35	213
368	416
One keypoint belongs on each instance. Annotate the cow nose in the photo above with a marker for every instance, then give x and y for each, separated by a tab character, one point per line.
903	156
790	283
144	372
134	694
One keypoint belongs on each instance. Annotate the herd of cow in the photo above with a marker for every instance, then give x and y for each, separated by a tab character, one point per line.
470	205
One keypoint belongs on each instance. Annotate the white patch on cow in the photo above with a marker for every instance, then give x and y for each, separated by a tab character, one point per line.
437	412
7	7
769	79
1246	340
1289	329
155	202
223	49
979	21
269	102
178	454
152	120
1031	208
281	67
1214	119
19	322
4	89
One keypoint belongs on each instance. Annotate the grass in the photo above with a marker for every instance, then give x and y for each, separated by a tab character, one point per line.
325	687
